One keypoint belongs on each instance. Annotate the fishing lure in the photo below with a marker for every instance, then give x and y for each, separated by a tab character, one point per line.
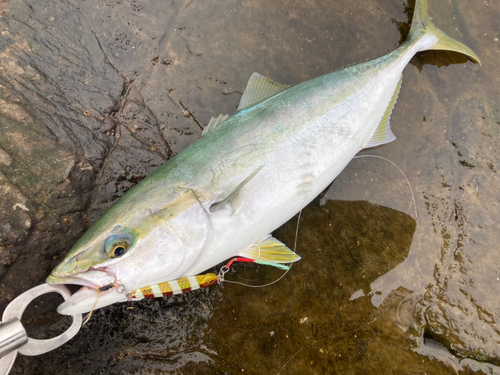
170	288
180	286
190	283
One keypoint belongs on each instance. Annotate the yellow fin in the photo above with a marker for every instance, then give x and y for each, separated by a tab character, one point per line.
383	134
260	88
270	249
422	24
214	122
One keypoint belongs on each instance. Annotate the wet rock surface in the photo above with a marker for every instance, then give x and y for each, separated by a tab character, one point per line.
95	96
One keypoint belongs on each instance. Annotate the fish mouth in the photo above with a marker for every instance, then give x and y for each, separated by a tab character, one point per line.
96	291
94	277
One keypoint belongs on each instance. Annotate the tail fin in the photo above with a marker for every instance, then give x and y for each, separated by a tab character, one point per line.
422	24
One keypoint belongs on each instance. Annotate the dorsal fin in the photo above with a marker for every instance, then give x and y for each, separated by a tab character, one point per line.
217	205
269	249
260	88
382	133
214	122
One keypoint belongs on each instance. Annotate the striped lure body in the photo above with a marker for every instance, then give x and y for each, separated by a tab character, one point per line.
170	288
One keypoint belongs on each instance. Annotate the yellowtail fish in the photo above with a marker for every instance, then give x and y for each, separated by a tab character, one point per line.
247	175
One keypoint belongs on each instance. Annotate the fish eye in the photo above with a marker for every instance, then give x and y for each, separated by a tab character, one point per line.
116	246
118	251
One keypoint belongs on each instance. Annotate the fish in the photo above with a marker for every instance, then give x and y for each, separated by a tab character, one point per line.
244	177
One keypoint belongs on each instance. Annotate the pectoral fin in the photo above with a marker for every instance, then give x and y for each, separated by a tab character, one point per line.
383	134
270	249
217	205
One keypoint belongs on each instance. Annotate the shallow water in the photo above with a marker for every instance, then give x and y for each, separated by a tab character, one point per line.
109	91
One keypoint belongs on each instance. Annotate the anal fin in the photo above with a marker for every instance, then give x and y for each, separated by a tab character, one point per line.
269	249
382	133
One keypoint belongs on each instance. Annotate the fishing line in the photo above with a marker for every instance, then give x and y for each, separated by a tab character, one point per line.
289	360
407	182
258	286
89	315
297	233
258	247
241	277
272	272
278	279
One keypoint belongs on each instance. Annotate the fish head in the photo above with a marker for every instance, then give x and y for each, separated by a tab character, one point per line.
92	261
129	252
